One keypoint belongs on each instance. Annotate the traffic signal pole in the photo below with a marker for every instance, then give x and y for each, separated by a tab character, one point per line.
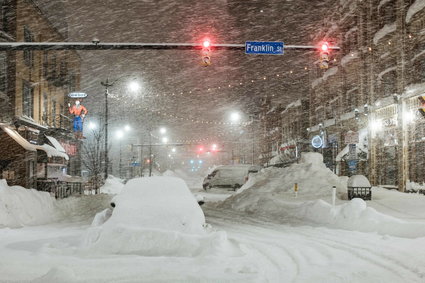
95	45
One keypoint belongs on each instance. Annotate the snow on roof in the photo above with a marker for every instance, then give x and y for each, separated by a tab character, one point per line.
56	144
414	89
388	28
387	70
51	151
383	2
358	181
418	55
292	104
18	138
350	31
414	8
31	121
349	57
328	73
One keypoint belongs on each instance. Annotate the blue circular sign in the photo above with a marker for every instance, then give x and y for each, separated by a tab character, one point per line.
317	142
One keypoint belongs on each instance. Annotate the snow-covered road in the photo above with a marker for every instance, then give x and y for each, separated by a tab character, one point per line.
299	253
260	251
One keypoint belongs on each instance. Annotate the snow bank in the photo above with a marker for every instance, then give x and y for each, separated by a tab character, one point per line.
271	193
355	215
154	216
20	206
311	175
112	186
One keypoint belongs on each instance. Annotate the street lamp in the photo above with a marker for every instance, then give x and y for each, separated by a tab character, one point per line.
92	126
163	130
120	135
107	84
235	117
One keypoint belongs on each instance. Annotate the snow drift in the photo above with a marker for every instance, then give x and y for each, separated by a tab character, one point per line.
20	206
112	186
155	216
271	193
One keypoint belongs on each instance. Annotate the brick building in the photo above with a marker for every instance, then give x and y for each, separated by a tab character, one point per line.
371	88
33	95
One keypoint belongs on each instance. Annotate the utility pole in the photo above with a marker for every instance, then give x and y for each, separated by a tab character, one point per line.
106	84
150	153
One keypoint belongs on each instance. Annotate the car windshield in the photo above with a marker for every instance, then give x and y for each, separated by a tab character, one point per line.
232	172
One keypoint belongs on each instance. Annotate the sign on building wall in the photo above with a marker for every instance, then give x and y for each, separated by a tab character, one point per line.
351	137
317	142
352	152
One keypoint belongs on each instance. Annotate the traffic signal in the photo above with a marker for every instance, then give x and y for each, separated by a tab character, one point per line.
324	55
206	53
214	148
200	149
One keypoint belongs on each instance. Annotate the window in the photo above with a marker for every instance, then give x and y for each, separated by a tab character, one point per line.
28	54
45	63
4	15
27	99
388	83
3	72
53	68
54	113
387	14
45	105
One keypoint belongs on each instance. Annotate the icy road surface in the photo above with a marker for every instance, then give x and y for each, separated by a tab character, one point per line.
271	252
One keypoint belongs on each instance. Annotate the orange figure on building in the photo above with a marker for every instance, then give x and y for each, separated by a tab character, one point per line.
79	112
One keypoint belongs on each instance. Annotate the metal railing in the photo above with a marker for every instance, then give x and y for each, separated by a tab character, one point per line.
60	189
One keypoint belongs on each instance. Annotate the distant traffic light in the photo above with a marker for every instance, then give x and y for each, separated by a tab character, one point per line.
206	53
324	55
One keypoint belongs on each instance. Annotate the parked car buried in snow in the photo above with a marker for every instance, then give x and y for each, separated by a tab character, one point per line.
229	176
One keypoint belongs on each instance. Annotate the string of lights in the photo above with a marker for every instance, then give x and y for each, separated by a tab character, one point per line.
227	85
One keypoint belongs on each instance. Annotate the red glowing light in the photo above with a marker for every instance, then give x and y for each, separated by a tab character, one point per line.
325	46
206	43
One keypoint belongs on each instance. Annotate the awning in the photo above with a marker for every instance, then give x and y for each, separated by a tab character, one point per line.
18	138
50	150
56	144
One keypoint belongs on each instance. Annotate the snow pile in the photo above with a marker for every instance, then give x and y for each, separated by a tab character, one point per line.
112	186
20	206
355	215
311	175
271	193
154	216
193	179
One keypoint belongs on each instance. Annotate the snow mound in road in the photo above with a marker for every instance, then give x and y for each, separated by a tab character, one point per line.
155	216
311	175
112	186
355	215
20	206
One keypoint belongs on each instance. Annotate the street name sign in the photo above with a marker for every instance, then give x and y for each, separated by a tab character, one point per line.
264	47
77	95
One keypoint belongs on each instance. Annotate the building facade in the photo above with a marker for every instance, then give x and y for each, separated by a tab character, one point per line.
366	105
33	93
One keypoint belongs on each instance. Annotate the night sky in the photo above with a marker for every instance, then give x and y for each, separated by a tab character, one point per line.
173	71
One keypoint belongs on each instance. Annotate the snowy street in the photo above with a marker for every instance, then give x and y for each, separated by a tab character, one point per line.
263	251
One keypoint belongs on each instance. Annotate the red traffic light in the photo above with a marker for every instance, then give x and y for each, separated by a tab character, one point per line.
325	47
206	43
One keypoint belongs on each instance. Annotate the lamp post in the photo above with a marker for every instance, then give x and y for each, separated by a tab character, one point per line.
107	84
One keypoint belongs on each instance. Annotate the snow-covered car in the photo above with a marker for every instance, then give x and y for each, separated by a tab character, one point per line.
229	176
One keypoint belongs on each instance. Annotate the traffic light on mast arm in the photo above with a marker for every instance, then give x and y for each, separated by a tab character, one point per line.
206	53
324	55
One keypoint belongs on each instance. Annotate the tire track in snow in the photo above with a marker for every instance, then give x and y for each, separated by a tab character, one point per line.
321	240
